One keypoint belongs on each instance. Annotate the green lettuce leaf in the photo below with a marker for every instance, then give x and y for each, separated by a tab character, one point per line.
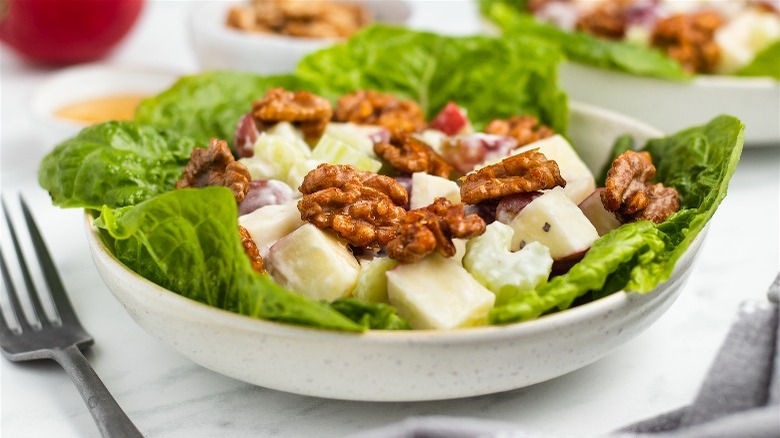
209	104
429	68
186	241
698	162
375	316
766	63
114	164
508	15
488	76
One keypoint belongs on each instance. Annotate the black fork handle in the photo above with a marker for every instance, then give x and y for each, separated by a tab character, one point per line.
109	416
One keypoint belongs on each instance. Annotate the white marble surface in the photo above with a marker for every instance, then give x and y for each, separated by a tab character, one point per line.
168	396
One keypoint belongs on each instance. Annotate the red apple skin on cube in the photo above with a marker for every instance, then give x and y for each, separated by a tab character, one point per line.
510	206
603	220
451	120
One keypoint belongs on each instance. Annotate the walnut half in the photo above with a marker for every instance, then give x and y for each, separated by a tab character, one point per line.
629	195
363	208
529	171
409	155
309	111
370	107
215	166
432	228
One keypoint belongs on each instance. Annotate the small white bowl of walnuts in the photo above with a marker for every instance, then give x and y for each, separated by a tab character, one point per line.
271	36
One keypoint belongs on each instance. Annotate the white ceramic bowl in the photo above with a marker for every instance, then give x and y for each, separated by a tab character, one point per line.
671	106
409	365
90	81
219	47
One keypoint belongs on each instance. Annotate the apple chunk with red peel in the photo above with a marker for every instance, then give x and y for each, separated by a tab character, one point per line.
579	179
313	263
510	206
270	223
556	222
451	120
438	293
602	219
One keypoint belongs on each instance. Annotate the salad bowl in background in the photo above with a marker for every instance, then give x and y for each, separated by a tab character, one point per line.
642	82
672	105
218	46
403	365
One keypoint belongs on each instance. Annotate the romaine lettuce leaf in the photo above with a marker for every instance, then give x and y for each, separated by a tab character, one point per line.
114	164
490	77
375	316
766	63
508	15
187	241
209	104
698	162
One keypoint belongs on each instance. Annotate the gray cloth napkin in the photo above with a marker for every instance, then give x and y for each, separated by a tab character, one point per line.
740	395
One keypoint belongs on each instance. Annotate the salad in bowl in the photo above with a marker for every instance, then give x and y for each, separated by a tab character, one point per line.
389	198
408	217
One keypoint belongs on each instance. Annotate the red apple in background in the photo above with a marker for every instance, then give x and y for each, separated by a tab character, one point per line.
65	31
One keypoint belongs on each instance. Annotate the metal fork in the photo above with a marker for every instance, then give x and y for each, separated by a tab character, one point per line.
61	340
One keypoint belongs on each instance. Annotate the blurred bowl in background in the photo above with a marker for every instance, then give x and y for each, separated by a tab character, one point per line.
219	47
77	97
671	105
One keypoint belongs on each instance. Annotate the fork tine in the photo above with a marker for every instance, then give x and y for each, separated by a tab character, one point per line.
13	295
5	329
57	290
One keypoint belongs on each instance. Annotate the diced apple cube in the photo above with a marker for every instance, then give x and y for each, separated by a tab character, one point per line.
433	138
270	223
314	264
579	179
372	281
602	219
556	222
426	188
298	172
437	293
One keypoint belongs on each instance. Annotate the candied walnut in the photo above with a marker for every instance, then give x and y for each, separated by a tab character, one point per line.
410	155
525	129
216	166
362	207
432	228
631	197
309	111
663	202
606	20
250	248
369	107
689	38
526	172
300	18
